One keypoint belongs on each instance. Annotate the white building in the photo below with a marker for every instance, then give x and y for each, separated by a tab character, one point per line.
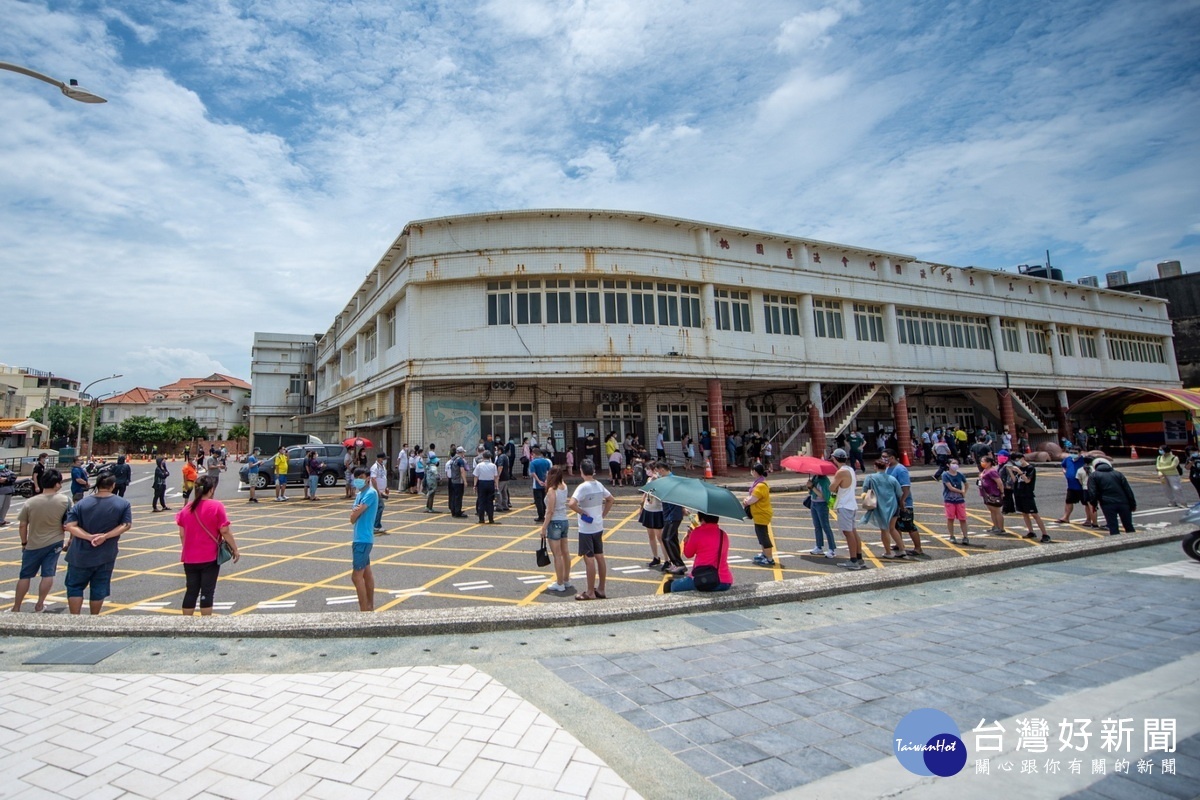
561	322
281	370
217	403
22	390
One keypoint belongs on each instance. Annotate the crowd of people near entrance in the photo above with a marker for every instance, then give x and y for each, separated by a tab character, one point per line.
86	522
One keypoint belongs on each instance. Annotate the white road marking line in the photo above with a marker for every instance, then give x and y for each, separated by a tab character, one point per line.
469	583
224	606
1180	569
414	590
630	570
533	580
1152	511
341	597
335	601
475	588
270	604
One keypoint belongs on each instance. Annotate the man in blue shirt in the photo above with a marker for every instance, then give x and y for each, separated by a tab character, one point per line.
252	462
79	480
539	468
1075	494
906	523
95	523
362	517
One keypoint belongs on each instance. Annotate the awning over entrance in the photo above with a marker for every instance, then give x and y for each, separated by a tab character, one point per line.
373	424
1119	397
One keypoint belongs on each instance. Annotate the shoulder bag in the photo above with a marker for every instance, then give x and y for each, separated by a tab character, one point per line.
708	577
543	557
224	551
869	501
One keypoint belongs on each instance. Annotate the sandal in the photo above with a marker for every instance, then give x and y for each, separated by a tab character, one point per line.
582	596
600	595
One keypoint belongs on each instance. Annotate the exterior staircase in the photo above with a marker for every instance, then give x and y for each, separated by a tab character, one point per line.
842	404
1025	406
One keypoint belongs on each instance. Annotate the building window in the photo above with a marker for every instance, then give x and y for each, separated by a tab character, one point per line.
389	328
689	306
827	317
350	361
1037	338
1066	344
1087	344
733	310
296	385
499	302
529	302
668	305
1011	337
641	299
587	301
942	330
781	314
1132	347
369	346
506	421
675	421
868	322
558	301
616	302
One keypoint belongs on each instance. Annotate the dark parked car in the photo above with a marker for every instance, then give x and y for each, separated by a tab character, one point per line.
330	454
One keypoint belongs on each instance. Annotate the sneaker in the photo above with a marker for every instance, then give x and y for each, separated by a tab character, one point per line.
847	564
764	562
953	540
816	551
569	587
830	554
888	556
654	563
1046	539
856	565
966	542
556	587
676	570
1031	535
915	554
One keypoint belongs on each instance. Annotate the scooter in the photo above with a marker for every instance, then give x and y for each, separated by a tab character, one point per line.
1191	542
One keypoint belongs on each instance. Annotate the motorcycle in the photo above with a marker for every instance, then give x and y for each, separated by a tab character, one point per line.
24	488
1191	542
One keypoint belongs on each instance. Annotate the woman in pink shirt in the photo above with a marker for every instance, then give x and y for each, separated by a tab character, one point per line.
706	545
202	524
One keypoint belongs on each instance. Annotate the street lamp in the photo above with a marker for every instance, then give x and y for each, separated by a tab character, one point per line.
71	89
79	430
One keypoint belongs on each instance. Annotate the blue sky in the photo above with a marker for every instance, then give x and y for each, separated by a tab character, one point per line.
256	158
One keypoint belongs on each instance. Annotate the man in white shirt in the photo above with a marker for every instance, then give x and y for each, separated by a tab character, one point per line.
485	473
592	502
402	467
379	479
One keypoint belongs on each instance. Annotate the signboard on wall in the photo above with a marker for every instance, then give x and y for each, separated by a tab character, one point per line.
451	421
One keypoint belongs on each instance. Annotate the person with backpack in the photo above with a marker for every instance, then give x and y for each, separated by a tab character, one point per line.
1110	490
456	476
1169	469
430	482
504	470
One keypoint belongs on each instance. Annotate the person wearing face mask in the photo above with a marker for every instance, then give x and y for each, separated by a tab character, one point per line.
1169	471
954	498
362	518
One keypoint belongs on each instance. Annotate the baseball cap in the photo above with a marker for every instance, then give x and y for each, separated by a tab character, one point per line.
461	450
840	454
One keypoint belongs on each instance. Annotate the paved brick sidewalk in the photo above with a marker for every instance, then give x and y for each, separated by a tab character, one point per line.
421	732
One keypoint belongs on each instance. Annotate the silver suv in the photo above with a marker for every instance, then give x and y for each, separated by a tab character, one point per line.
331	455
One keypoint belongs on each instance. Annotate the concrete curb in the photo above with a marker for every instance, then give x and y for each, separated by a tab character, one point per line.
479	619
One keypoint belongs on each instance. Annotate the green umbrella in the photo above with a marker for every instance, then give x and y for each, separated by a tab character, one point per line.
696	495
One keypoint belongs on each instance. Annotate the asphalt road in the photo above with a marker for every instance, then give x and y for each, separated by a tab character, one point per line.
296	555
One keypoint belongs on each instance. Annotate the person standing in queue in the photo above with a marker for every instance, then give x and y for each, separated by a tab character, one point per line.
203	524
485	473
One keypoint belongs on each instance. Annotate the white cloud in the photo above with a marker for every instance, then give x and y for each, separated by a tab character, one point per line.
165	365
254	161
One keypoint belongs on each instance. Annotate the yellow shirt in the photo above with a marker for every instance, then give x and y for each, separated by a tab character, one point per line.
761	511
1167	465
281	464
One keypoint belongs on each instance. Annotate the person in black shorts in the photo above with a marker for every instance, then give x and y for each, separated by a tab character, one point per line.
1024	477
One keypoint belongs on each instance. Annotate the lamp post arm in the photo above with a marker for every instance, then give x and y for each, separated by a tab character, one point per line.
32	73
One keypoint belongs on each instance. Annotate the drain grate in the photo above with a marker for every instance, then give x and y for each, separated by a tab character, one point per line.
81	653
724	623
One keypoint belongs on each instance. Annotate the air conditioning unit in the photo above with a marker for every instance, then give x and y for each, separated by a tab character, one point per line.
504	385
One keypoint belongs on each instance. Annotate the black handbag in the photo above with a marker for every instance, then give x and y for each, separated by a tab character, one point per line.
543	556
707	578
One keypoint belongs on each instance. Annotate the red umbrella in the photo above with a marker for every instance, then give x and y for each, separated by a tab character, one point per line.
808	465
358	441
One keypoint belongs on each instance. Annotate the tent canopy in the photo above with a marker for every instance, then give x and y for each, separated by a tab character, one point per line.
1120	397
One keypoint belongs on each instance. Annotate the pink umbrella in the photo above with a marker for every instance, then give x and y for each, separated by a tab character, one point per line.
808	465
357	442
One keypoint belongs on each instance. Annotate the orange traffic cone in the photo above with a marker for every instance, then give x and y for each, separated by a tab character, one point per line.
707	468
1133	452
904	459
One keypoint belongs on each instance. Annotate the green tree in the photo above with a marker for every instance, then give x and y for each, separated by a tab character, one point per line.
173	431
107	434
192	429
137	431
239	433
64	421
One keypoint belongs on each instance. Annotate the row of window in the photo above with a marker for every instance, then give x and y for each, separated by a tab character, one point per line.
1131	347
592	301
